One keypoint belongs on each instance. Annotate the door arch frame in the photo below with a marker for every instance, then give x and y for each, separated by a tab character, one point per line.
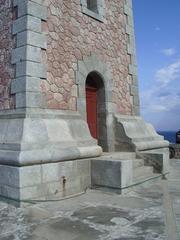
95	84
94	64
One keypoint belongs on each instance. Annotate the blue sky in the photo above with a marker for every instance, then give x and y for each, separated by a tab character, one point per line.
157	30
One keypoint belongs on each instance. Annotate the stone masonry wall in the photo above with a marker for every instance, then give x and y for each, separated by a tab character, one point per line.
73	35
6	44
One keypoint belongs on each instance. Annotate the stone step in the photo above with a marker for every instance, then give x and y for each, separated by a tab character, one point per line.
145	181
119	156
138	163
142	172
120	172
110	173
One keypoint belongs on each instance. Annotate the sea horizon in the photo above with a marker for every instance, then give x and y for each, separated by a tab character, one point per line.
168	135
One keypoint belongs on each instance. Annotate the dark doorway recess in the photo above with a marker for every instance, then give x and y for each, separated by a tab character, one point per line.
96	108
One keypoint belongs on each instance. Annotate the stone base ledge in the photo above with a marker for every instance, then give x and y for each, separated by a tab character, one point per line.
134	134
37	113
44	181
44	136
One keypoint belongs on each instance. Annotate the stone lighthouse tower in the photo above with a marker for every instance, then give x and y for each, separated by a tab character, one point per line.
68	92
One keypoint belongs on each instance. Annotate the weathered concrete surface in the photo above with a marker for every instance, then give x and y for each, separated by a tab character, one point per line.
147	212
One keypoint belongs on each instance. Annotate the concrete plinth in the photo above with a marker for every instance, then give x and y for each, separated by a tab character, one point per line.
41	152
134	134
44	181
112	172
44	136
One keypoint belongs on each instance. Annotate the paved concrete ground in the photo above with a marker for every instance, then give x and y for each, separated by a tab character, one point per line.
147	212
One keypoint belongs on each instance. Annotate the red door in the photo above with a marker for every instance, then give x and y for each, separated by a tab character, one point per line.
91	108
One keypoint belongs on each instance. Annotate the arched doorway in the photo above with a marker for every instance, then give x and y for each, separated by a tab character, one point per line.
96	108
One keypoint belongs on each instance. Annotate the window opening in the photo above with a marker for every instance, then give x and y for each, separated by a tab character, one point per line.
92	5
93	8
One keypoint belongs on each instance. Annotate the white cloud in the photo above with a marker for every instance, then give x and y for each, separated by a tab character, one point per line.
158	108
161	105
169	73
165	93
161	102
169	51
153	102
